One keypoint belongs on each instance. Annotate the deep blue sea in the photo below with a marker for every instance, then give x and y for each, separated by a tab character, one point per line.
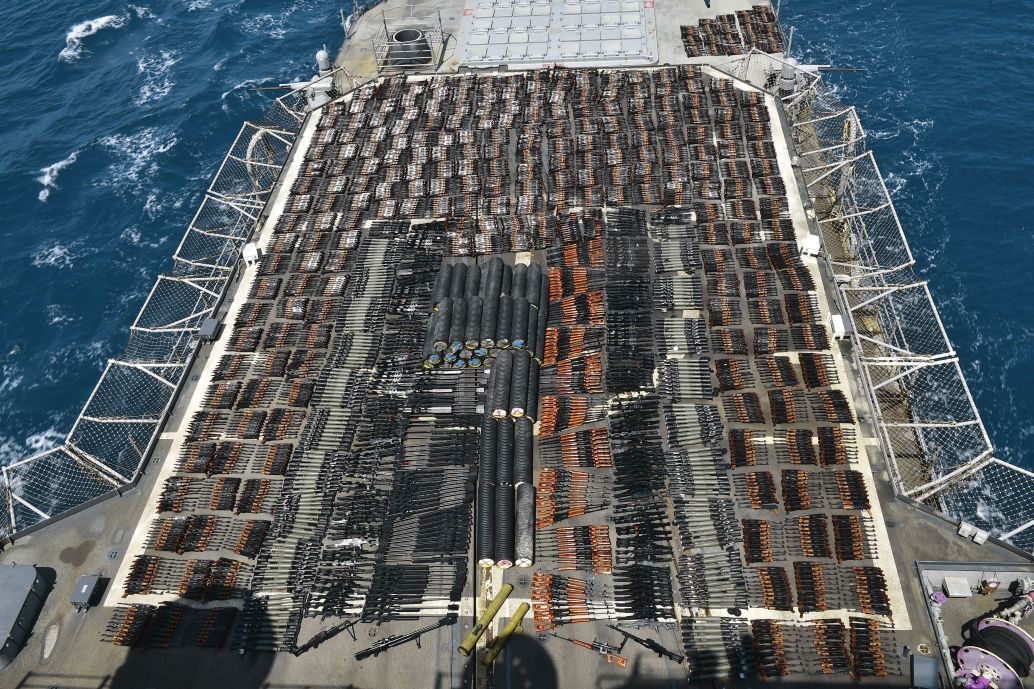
947	98
114	116
113	119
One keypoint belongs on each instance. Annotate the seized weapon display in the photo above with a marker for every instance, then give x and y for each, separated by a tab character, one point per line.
647	643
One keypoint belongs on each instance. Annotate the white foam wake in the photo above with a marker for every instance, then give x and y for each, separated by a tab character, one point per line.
135	153
48	175
157	75
246	84
74	40
55	255
44	440
141	12
12	450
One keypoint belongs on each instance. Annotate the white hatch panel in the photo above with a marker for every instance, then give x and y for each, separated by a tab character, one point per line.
525	33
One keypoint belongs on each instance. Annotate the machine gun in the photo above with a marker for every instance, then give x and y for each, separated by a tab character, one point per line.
609	653
399	639
315	641
647	643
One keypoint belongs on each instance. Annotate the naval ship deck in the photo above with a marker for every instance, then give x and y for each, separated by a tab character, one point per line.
707	469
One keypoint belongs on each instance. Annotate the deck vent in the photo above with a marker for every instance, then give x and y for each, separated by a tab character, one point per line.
409	48
408	38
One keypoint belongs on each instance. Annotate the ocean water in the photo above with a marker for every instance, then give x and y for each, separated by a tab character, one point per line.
116	115
946	99
113	119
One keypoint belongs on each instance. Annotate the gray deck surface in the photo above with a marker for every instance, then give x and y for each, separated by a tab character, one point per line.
79	660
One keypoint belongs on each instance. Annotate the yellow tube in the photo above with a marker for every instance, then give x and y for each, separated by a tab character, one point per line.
467	647
512	627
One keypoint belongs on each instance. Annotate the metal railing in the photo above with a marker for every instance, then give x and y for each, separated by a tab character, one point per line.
121	421
929	427
120	424
408	38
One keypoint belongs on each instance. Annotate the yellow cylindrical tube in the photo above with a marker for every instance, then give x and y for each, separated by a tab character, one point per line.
467	647
511	628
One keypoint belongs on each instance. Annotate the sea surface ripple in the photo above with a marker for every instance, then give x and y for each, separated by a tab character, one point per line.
946	98
116	116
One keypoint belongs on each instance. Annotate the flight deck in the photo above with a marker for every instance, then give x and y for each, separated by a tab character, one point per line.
541	321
